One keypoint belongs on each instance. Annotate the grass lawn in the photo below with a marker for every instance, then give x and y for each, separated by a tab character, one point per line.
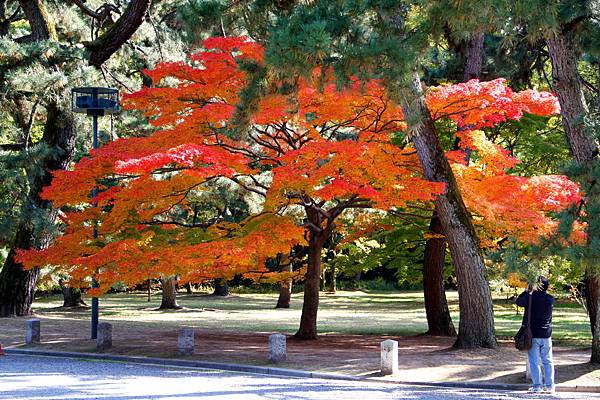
346	312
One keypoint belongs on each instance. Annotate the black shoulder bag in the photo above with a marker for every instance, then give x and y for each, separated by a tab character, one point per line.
523	336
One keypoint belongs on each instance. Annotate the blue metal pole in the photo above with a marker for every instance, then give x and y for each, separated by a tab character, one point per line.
95	235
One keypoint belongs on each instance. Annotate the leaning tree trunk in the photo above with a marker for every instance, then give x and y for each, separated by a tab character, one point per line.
221	288
584	149
285	289
436	304
17	286
312	281
169	294
476	326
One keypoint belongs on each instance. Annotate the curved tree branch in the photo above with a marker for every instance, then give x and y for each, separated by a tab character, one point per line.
110	41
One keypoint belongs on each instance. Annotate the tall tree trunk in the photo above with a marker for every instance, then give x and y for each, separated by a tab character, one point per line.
312	280
436	304
71	295
567	85
169	294
17	286
476	327
285	289
221	288
474	56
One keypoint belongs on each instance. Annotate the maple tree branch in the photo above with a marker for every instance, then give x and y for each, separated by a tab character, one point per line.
242	184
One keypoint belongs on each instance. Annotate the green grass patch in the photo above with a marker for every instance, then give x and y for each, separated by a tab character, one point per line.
346	312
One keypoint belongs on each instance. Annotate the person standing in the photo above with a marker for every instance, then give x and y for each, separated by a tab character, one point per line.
540	354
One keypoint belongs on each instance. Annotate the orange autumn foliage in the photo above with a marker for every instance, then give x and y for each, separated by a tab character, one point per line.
323	149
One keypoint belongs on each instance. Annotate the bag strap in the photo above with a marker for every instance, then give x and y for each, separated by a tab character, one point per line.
529	310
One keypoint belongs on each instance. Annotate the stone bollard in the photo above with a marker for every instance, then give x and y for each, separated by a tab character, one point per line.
277	348
185	342
389	357
32	334
104	339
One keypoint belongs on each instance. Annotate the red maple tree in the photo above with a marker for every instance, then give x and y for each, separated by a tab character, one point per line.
311	155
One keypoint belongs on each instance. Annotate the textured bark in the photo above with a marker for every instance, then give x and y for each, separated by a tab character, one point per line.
439	321
474	56
476	327
584	149
121	31
285	289
567	86
169	294
312	280
41	25
221	288
17	286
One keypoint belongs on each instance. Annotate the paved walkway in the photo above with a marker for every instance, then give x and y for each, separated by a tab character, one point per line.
37	377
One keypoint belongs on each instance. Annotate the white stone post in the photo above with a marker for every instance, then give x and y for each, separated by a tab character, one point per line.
32	333
389	357
185	342
277	348
104	339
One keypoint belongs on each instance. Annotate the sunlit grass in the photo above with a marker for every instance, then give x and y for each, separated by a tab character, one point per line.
357	312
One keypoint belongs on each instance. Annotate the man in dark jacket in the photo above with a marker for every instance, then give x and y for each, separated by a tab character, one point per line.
540	354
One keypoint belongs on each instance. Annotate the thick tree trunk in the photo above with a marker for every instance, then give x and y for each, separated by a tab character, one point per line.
476	327
285	290
169	294
41	25
436	304
312	280
567	85
221	288
71	296
17	286
474	56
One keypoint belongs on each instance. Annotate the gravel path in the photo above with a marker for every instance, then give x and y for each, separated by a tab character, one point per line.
35	377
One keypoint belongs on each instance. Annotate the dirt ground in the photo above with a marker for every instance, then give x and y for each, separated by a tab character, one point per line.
421	358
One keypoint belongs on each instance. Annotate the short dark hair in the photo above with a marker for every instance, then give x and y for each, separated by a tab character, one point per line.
542	283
